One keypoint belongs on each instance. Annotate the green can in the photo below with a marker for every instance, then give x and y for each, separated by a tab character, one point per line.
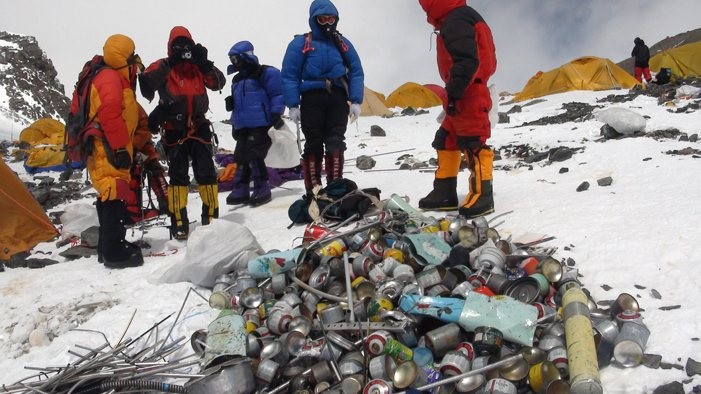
398	350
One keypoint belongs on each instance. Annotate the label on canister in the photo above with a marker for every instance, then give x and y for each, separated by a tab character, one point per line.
499	386
558	356
488	340
377	386
375	343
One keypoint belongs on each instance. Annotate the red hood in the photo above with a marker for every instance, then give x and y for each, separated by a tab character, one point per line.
178	31
436	10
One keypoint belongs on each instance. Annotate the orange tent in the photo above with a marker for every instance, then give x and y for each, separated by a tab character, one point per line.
413	95
23	222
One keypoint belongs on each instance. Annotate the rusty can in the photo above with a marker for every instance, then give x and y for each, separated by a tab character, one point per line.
488	340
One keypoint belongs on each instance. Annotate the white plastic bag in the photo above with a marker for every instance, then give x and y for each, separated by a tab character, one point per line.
622	120
284	153
77	218
218	248
494	112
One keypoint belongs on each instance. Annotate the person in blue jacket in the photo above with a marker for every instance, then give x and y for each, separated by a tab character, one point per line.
321	73
256	104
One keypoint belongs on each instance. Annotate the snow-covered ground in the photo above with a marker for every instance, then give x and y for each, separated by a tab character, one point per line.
639	236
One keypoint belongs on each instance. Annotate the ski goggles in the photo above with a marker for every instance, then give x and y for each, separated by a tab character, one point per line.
235	59
326	19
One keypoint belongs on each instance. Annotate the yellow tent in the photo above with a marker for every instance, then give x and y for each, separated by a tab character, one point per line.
373	104
584	73
45	140
23	222
684	61
413	95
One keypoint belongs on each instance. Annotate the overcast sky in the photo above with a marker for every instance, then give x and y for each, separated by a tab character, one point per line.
394	41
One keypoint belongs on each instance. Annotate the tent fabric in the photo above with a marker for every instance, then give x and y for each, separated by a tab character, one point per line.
413	95
684	61
45	138
438	90
373	104
584	73
23	222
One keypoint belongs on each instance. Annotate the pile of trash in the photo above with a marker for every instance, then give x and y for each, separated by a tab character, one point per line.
396	302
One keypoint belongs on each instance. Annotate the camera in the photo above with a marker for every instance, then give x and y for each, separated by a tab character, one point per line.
186	55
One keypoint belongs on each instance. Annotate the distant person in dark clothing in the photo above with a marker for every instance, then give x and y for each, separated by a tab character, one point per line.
641	53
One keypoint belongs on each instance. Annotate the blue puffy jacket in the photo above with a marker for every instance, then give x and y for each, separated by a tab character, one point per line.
256	96
307	71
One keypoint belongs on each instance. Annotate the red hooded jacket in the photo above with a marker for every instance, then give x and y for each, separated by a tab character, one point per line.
466	60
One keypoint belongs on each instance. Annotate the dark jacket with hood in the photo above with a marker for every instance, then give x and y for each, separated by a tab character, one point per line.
308	63
641	53
182	87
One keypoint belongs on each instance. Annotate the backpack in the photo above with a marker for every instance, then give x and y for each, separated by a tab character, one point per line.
664	76
339	200
77	121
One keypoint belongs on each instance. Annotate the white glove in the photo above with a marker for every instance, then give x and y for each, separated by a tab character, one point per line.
295	114
440	117
354	112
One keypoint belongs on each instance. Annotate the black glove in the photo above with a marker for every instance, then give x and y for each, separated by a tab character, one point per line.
278	123
199	54
229	103
451	110
155	119
122	160
472	144
199	57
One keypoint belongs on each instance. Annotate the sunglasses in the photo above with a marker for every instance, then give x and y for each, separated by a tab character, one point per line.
235	59
326	19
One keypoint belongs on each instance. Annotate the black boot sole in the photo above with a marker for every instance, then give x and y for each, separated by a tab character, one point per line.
469	214
238	201
257	203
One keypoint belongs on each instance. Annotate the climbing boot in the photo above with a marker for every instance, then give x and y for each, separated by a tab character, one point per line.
116	251
177	205
333	165
242	178
480	200
261	188
444	196
210	202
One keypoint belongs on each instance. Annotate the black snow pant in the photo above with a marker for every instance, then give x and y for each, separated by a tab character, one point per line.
252	144
198	148
324	120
